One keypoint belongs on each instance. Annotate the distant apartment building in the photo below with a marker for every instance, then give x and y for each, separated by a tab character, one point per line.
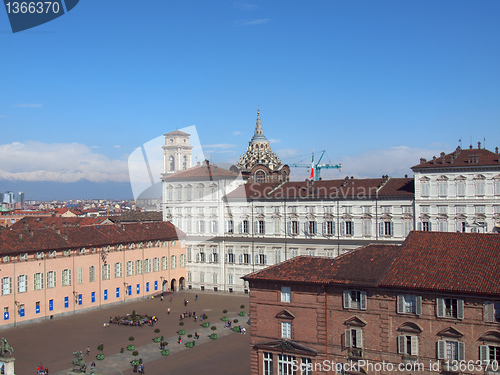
58	270
428	306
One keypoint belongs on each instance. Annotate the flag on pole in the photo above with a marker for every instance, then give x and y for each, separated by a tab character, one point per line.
312	167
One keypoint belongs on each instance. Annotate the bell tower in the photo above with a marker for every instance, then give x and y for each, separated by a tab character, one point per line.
176	152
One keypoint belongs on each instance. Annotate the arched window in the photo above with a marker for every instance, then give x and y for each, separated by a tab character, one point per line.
260	176
172	163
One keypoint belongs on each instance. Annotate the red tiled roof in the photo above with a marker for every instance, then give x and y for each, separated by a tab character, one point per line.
438	261
365	266
20	241
460	262
348	188
462	158
200	171
31	222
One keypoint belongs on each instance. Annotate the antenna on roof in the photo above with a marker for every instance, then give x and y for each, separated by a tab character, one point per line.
460	141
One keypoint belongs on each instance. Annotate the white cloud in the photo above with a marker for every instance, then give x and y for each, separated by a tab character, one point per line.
236	133
286	153
94	146
28	105
259	21
3	116
116	146
60	162
241	5
274	141
395	161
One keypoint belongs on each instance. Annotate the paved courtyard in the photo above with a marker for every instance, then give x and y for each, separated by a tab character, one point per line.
52	342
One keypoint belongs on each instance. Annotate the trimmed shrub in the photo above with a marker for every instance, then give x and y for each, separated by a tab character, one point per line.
157	330
213	328
235	321
131	338
242	306
190	335
100	347
224	311
181	323
206	324
182	332
130	347
224	319
242	313
165	343
135	353
165	352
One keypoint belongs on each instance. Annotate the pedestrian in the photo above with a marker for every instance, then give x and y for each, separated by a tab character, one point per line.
161	298
195	318
46	371
168	311
102	345
142	368
179	340
170	298
87	351
135	367
92	364
196	298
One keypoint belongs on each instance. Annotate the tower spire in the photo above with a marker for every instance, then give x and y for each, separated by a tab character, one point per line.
259	133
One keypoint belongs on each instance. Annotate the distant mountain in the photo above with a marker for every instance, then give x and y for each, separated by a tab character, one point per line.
81	189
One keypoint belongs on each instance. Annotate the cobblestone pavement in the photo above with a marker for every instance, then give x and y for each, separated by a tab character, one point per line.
52	342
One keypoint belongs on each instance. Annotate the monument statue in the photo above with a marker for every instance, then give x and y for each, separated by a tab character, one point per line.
5	348
78	362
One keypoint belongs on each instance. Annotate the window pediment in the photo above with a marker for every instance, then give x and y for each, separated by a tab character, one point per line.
450	332
286	345
410	327
285	314
492	336
442	178
355	321
460	178
425	179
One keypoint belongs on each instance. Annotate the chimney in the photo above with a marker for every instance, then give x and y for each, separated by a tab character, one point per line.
406	176
423	160
452	159
496	150
442	158
433	160
470	147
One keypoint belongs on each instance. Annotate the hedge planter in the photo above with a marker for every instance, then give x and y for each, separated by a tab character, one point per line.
213	336
206	324
182	332
190	344
236	329
130	347
165	352
100	356
157	339
134	362
224	319
242	313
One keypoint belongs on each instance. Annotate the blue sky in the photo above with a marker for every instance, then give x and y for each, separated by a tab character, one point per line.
378	84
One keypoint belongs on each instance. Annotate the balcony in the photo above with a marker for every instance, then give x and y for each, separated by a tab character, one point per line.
355	353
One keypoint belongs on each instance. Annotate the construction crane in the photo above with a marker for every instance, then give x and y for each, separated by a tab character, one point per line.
316	168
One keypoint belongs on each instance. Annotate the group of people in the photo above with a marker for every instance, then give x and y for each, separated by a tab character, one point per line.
188	314
139	368
42	370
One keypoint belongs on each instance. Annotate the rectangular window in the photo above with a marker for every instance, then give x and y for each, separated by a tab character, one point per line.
354	338
460	209
173	262
479	187
189	277
215	226
407	227
286	294
277	256
22	283
156	264
79	275
130	268
202	277
230	255
92	297
6	285
147	265
492	311
312	228
408	345
424	189
106	272
51	304
164	263
294	228
91	274
443	188
105	295
409	304
479	209
230	226
443	226
244	227
51	279
260	227
214	278
328	228
348	228
66	302
268	363
311	252
286	330
246	256
451	350
426	226
442	209
450	308
294	253
407	210
118	270
138	267
367	227
262	257
460	188
66	277
38	281
189	254
354	299
277	226
286	364
182	260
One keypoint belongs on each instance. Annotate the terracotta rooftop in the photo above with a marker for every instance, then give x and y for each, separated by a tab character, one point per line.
176	132
129	217
348	188
364	267
33	222
434	261
459	262
472	157
43	239
203	171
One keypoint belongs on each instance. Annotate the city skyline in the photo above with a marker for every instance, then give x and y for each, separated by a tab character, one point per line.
410	79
